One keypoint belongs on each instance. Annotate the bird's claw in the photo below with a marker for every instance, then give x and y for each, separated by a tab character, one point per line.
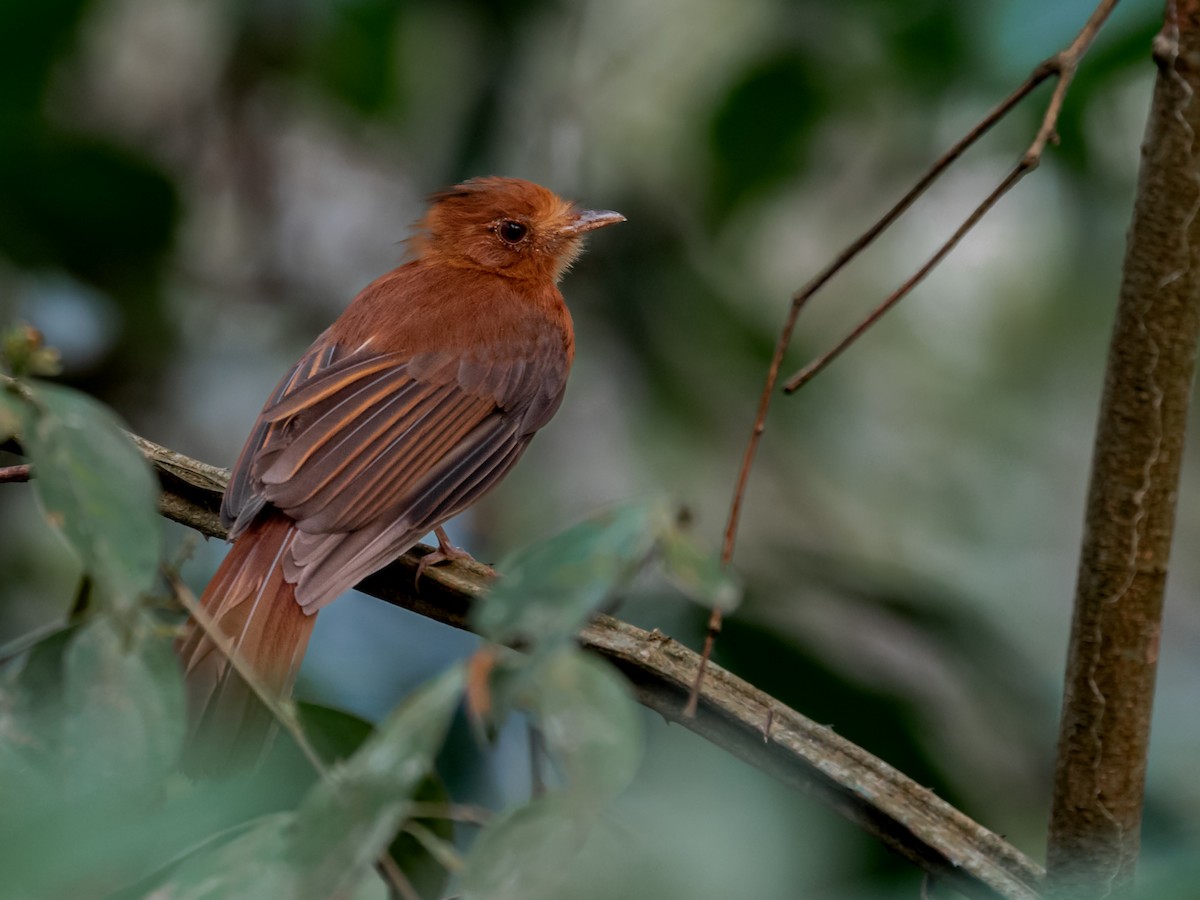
446	552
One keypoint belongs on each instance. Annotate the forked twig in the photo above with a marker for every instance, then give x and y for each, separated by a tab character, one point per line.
1062	66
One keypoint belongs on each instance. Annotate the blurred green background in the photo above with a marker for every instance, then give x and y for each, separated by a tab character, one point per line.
190	190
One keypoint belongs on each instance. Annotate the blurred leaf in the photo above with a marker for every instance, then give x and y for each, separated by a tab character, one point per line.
10	414
31	37
23	735
760	132
93	727
358	812
418	863
336	734
344	823
251	865
549	590
355	54
926	41
23	352
124	716
95	487
594	735
698	573
521	856
87	206
346	48
31	693
591	723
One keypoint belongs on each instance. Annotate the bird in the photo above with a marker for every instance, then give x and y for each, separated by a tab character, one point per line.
412	405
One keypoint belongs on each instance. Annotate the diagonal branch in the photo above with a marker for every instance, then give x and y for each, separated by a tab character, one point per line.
730	713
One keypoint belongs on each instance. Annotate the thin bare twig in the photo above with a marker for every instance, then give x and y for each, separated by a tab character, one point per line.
389	870
14	474
1062	65
859	244
463	813
812	369
441	850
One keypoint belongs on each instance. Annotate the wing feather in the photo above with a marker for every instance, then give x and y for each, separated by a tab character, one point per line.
369	451
346	458
383	472
242	500
335	416
324	381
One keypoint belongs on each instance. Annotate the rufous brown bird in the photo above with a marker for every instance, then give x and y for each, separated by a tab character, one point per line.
408	409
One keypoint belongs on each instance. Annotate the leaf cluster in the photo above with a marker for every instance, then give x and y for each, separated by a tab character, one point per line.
93	721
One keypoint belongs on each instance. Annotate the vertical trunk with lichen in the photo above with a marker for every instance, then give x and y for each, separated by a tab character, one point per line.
1099	778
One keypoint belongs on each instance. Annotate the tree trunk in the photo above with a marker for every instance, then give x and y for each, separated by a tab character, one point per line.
1100	774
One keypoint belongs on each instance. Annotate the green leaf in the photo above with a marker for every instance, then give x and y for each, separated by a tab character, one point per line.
593	731
333	733
124	705
10	413
94	725
23	353
24	744
251	865
95	487
347	821
336	734
521	856
548	591
418	863
355	51
32	35
591	724
86	205
761	132
698	574
325	848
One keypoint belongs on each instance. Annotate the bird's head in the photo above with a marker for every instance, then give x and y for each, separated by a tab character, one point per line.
508	226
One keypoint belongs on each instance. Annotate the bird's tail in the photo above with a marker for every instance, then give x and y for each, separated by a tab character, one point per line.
253	605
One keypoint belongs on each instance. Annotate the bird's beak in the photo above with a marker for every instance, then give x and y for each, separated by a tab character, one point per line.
590	220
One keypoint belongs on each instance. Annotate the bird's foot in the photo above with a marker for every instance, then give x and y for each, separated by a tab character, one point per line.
446	552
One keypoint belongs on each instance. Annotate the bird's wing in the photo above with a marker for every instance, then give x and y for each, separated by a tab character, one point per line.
367	452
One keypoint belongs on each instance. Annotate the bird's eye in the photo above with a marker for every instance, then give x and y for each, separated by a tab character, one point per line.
512	232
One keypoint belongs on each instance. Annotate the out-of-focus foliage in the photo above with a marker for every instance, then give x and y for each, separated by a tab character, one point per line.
74	199
99	800
342	825
190	192
580	706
